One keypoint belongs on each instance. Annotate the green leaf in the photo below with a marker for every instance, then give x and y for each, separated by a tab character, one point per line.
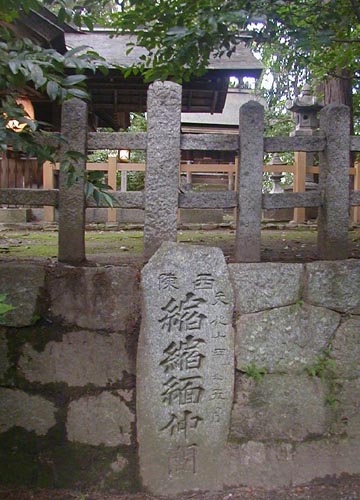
4	308
89	190
14	66
77	18
52	89
31	123
76	50
81	94
37	76
88	23
73	80
61	15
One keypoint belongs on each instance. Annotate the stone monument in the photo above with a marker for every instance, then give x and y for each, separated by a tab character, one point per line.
185	369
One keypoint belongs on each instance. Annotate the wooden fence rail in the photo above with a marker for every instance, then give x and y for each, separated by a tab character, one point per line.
161	199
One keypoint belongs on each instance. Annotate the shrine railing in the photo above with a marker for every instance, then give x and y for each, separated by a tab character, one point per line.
161	199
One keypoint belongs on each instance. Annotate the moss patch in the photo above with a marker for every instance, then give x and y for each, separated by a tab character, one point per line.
32	461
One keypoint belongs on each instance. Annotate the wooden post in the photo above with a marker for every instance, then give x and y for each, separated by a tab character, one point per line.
74	126
162	165
333	221
5	171
250	173
299	184
112	164
48	183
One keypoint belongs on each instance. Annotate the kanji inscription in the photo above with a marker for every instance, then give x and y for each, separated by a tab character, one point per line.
185	369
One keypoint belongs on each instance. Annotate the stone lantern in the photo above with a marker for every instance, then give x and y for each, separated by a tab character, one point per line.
305	108
276	176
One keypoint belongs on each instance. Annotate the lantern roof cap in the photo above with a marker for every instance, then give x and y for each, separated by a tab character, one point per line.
306	101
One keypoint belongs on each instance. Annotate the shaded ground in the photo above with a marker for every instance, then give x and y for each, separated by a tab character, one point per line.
113	247
344	488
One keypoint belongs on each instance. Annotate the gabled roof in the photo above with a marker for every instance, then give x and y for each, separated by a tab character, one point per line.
113	49
226	120
113	94
44	28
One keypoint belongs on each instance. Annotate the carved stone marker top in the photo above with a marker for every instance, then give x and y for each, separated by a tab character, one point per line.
185	368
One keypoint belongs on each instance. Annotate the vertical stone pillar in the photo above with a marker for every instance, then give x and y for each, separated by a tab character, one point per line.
74	125
185	369
333	222
162	164
250	174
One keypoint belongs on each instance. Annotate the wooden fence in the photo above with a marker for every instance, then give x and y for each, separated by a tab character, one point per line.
229	170
20	172
161	198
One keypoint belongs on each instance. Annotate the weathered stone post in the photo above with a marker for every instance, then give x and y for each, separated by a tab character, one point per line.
185	369
162	164
333	222
250	173
74	127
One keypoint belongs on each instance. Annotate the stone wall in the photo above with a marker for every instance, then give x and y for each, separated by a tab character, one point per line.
67	376
68	380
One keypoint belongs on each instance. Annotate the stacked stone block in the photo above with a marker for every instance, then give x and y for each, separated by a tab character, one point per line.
296	409
67	378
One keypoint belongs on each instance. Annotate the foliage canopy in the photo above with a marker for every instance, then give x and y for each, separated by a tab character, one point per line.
322	35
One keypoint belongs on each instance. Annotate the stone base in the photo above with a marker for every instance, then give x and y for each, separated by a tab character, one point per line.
15	215
272	465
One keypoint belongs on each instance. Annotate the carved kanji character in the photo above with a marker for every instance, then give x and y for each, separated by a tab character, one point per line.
182	423
184	355
182	460
220	297
167	281
184	390
184	315
204	281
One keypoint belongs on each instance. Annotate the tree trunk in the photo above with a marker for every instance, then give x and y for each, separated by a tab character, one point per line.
338	90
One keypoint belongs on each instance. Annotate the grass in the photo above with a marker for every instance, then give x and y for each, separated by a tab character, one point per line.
43	244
